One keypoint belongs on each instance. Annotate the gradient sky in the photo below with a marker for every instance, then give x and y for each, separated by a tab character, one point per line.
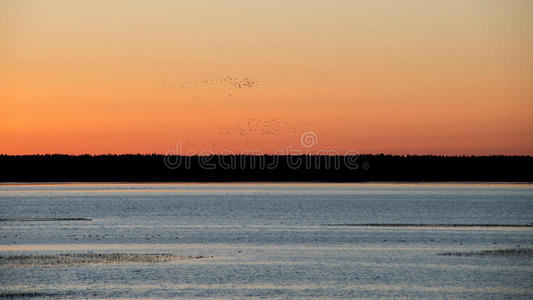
402	77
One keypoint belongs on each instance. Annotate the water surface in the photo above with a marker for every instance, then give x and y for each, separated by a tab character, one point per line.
270	240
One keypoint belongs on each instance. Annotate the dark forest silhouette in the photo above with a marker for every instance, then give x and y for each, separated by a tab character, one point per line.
155	167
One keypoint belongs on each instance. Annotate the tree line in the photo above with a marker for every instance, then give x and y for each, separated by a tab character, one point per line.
254	168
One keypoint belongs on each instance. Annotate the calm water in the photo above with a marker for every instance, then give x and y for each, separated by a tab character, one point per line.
270	240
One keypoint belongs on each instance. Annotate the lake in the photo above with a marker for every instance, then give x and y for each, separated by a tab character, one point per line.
268	240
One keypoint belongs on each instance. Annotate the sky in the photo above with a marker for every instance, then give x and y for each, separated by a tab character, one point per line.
398	77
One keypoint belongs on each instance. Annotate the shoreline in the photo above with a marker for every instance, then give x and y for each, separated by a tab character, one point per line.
15	183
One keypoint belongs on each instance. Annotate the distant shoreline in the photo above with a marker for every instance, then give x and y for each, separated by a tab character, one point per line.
364	168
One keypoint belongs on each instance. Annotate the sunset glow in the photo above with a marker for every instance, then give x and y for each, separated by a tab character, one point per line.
399	77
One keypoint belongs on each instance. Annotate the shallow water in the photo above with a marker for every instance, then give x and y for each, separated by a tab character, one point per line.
270	240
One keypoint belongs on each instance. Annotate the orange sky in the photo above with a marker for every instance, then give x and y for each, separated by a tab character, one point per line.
402	77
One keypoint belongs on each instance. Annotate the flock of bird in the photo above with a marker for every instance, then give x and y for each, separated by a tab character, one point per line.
224	85
263	127
228	86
